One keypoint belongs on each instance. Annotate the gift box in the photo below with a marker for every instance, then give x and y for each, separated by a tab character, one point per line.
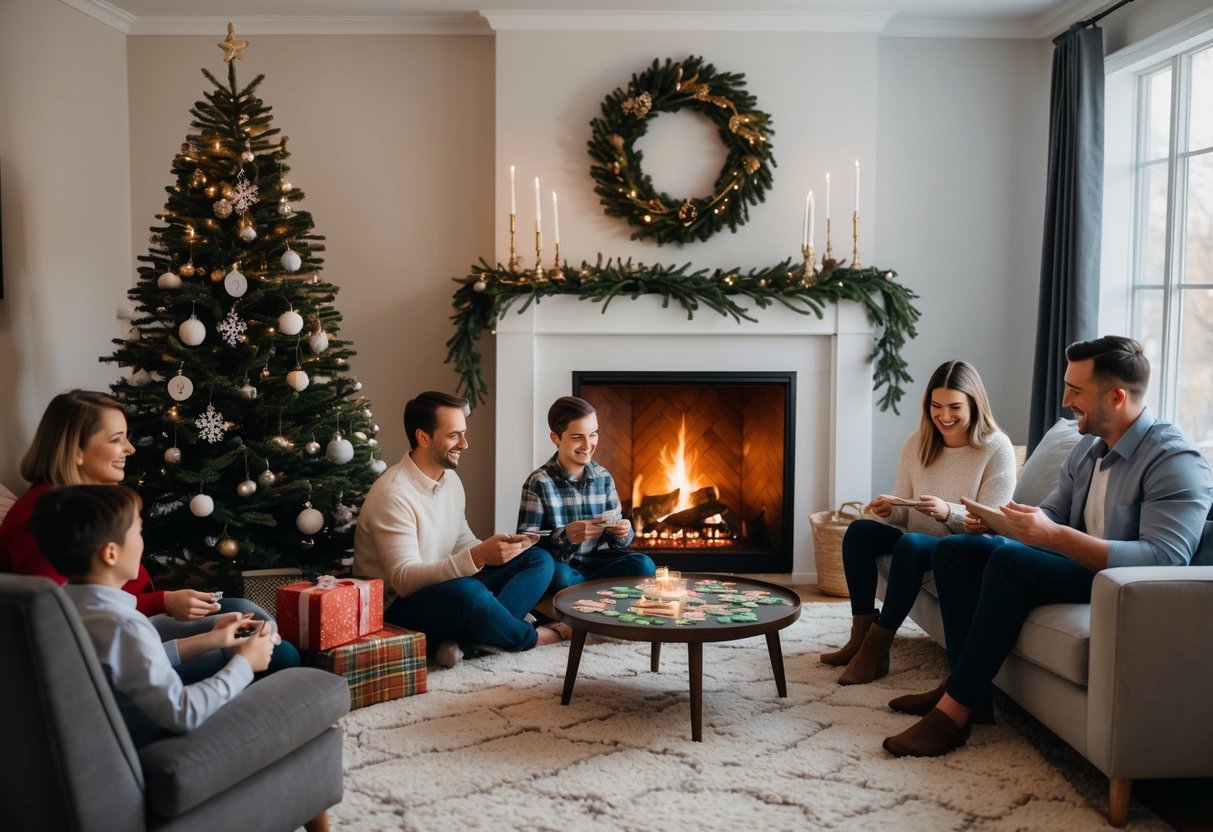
385	665
329	612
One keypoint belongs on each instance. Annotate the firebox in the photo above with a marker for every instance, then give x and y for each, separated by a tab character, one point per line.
703	462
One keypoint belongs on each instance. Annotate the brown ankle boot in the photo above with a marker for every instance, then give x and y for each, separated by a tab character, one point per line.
933	735
919	704
859	628
872	660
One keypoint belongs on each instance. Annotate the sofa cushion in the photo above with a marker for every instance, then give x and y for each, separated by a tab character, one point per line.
1057	637
1039	473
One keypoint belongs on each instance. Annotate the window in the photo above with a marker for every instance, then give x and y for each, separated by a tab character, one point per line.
1158	222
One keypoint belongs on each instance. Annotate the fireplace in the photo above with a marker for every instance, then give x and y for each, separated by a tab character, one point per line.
702	462
828	408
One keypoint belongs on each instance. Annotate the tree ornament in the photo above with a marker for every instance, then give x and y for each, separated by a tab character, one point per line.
217	274
339	450
140	377
284	208
192	332
267	478
248	391
245	195
359	435
187	269
247	154
231	328
168	281
291	261
247	232
309	520
172	455
227	547
222	209
357	386
318	342
290	322
246	489
227	190
312	448
625	190
297	379
180	387
211	425
235	283
201	505
232	46
378	465
343	514
479	286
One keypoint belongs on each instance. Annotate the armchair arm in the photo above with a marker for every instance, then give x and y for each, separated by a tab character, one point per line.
1151	672
267	721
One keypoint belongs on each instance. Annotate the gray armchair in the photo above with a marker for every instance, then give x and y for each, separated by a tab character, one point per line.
270	760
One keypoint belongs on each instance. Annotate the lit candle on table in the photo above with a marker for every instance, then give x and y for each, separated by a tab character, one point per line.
513	205
538	210
856	186
555	221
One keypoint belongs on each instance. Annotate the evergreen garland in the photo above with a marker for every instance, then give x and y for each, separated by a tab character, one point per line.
485	295
627	191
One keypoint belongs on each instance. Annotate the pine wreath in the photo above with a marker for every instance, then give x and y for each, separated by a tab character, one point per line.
627	191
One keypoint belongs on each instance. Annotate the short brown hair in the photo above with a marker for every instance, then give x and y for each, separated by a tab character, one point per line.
421	413
1118	360
565	410
68	422
72	522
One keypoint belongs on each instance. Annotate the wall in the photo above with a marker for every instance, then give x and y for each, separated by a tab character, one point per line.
65	184
1138	21
392	143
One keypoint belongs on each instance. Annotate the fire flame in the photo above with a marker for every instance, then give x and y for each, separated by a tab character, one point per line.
677	466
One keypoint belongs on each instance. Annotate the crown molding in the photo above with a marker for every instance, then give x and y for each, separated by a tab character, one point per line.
111	16
1167	42
1052	23
996	29
632	21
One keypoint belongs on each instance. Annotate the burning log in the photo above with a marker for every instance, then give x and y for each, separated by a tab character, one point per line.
652	508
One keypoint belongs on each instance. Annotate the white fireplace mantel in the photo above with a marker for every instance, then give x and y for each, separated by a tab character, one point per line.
539	349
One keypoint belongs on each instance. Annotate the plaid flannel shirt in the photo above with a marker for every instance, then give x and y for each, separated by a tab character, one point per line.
551	500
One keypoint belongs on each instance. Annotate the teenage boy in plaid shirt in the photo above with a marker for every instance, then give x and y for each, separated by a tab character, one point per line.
565	501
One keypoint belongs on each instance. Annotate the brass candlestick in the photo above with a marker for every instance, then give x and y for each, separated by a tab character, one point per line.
855	239
557	271
809	269
513	264
538	254
829	245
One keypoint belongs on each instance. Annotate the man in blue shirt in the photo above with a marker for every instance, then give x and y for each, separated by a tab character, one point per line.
571	501
1133	492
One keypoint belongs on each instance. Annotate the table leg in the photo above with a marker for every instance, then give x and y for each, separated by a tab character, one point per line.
781	683
695	663
570	673
655	657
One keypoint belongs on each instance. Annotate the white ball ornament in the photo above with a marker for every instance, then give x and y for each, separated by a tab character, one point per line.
312	448
202	505
172	455
248	391
479	286
339	450
192	332
318	342
309	520
248	233
246	489
378	466
168	280
297	379
291	261
290	322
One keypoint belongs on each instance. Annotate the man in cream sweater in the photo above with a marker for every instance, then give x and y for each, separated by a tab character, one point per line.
440	579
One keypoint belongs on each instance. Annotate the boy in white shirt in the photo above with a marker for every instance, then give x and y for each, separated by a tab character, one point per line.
93	535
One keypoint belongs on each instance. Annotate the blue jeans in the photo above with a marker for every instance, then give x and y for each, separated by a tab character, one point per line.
208	664
863	543
987	587
487	608
627	564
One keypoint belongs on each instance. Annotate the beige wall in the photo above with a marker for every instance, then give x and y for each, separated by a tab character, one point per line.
65	182
392	143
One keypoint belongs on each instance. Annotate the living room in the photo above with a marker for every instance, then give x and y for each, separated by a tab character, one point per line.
406	120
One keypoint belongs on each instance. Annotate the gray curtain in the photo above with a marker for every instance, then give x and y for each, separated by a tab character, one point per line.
1068	309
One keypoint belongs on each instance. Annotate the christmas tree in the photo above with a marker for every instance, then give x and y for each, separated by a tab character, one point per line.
253	447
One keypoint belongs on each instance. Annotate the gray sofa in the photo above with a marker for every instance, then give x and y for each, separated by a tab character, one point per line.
1126	680
269	760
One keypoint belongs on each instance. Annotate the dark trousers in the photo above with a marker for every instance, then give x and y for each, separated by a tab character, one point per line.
624	564
987	587
863	543
487	608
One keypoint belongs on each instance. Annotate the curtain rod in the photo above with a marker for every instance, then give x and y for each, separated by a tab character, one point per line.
1091	21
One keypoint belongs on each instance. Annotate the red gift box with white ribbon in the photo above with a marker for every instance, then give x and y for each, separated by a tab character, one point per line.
330	612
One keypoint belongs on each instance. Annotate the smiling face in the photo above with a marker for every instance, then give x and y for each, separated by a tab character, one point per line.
1087	398
102	459
951	415
443	448
575	447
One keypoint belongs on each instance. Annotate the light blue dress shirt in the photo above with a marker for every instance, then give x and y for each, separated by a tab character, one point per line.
1159	491
149	693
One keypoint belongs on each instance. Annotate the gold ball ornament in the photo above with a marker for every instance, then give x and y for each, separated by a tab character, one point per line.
222	208
218	274
312	448
228	547
187	269
227	190
267	478
172	455
246	489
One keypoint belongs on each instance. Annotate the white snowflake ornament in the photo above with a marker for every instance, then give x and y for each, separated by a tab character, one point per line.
211	425
232	328
245	195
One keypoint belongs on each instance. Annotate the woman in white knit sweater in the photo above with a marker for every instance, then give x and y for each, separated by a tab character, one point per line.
958	451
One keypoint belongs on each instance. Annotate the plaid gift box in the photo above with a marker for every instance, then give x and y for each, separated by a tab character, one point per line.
317	616
379	667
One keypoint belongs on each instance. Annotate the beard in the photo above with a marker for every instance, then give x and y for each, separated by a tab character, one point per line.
448	460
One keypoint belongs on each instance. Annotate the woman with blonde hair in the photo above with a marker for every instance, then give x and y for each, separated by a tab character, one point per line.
958	451
82	440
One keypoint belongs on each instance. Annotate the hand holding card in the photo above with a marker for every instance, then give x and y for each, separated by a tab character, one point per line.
900	501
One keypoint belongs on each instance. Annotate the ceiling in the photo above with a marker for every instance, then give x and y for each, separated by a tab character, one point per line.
957	18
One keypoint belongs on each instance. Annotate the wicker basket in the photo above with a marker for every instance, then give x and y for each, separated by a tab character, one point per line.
261	586
828	530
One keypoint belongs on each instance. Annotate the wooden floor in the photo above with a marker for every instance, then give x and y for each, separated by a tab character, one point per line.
1185	804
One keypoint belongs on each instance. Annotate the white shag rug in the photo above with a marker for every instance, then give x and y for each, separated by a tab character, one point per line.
490	747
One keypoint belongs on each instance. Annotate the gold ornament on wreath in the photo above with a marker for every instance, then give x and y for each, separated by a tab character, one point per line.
625	190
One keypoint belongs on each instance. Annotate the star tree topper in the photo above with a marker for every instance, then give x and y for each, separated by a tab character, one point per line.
232	46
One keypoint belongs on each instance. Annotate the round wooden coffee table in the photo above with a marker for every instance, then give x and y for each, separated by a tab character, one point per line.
761	618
